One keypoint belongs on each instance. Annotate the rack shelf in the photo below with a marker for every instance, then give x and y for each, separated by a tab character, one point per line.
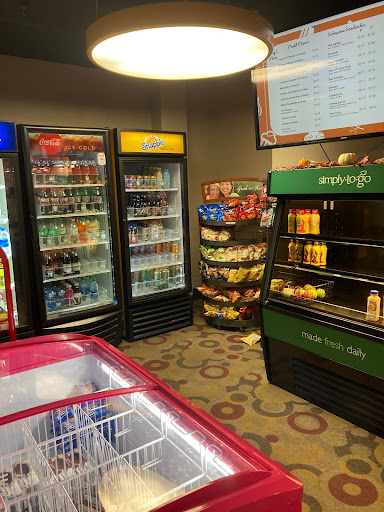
235	324
225	284
232	264
230	243
160	241
74	309
157	266
239	304
243	222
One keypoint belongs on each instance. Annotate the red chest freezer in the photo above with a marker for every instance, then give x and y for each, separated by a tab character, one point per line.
84	428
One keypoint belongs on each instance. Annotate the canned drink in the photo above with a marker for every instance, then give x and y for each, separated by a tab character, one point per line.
134	276
157	274
147	273
159	248
178	270
165	277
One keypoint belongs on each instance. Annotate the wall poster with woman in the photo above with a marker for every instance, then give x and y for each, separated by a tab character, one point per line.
216	191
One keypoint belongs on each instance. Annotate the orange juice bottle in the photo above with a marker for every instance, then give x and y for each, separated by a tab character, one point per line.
307	253
83	230
300	224
323	254
315	223
292	221
299	251
291	250
373	306
307	221
315	260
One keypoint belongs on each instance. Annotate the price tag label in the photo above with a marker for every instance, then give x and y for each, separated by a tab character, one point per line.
101	158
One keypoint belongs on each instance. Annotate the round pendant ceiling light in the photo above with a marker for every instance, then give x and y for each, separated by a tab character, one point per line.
180	40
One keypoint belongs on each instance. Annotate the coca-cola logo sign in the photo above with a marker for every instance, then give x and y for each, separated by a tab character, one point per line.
50	143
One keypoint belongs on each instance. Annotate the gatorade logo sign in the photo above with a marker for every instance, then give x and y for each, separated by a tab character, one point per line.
50	143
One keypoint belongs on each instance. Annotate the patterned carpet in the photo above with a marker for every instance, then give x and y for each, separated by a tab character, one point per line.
340	465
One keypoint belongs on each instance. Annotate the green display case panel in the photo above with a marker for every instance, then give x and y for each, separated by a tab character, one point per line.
353	179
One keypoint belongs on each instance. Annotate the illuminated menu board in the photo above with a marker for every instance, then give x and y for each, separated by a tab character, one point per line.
323	81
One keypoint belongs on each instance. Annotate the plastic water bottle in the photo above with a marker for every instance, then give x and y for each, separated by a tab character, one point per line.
94	290
5	241
166	179
50	299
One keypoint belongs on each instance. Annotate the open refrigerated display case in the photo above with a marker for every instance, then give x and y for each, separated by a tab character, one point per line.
114	437
13	242
153	205
73	226
320	341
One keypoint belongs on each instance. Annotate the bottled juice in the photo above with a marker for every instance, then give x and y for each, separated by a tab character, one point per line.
299	251
373	306
315	223
307	253
82	230
300	224
292	221
291	250
307	221
323	254
316	251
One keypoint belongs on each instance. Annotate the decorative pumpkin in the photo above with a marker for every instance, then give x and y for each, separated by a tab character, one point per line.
303	161
347	159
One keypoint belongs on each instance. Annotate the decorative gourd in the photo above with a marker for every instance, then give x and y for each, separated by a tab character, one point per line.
347	159
303	161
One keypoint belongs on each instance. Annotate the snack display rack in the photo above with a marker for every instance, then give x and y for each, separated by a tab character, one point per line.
244	244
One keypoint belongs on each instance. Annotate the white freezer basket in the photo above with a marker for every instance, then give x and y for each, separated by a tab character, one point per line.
128	453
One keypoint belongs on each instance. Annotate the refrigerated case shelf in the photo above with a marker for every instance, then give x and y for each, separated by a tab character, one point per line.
67	215
157	266
70	246
335	240
153	217
151	242
331	273
78	276
151	189
67	185
73	309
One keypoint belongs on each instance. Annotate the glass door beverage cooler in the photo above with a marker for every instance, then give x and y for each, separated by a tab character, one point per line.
153	204
73	228
12	237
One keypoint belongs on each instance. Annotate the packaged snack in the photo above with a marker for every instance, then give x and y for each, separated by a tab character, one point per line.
221	298
245	313
219	254
233	273
224	273
253	273
25	475
251	339
267	217
211	308
9	487
234	296
244	253
249	294
224	235
231	254
242	274
231	314
260	272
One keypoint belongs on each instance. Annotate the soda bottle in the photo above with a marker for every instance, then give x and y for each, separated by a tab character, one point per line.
84	290
75	262
93	171
67	264
48	268
159	178
54	200
97	199
175	250
165	277
60	296
82	230
85	200
164	204
94	290
69	296
76	293
63	176
37	171
54	233
76	173
74	232
63	231
48	166
63	201
84	171
44	202
70	200
78	200
57	258
43	234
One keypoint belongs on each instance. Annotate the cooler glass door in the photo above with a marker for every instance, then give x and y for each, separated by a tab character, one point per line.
69	175
11	241
154	193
